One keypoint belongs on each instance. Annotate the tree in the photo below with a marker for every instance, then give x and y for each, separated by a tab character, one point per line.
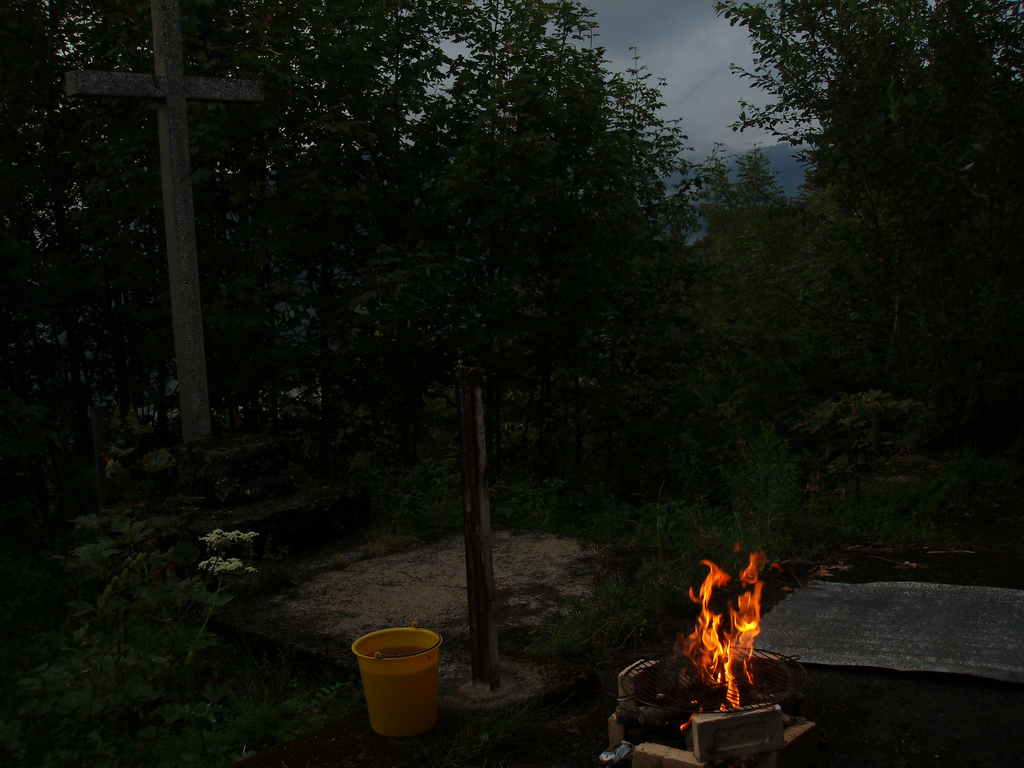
424	184
63	328
553	198
752	269
911	113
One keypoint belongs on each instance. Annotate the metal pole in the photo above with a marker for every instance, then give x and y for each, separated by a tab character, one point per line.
476	513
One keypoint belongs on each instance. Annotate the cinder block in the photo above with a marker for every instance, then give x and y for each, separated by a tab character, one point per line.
799	750
659	756
801	747
616	732
718	735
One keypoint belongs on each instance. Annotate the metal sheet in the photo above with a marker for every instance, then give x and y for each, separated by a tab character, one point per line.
906	626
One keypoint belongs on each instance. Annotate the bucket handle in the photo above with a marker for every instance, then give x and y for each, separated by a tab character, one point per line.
379	655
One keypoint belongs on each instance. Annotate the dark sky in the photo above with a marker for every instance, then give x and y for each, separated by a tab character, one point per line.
685	43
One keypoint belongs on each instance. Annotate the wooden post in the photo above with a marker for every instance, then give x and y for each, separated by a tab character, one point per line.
99	452
476	513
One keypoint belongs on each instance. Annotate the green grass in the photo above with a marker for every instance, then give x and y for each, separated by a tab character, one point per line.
489	740
766	510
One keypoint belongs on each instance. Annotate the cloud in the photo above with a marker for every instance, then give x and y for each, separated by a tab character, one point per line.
687	45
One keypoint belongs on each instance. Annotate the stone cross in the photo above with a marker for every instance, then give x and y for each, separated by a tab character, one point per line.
173	89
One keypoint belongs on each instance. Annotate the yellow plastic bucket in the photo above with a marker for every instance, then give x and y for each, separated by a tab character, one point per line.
399	672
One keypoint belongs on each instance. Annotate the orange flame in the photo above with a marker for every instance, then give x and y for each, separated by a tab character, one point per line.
684	726
719	654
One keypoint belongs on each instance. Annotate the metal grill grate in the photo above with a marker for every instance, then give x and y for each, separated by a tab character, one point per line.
669	685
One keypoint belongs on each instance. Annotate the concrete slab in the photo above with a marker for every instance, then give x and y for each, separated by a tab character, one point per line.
334	604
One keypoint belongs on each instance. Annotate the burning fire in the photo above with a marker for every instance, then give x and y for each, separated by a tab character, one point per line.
719	653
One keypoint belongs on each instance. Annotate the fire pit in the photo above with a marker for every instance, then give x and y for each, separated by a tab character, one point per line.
716	700
663	684
687	726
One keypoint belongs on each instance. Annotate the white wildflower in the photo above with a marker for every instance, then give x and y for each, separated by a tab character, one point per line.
219	538
222	566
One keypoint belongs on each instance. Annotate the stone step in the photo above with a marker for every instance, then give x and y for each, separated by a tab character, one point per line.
314	513
245	483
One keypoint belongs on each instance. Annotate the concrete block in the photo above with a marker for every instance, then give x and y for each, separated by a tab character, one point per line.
719	735
616	732
659	756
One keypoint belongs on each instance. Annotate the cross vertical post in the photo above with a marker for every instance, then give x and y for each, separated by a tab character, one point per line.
179	222
173	90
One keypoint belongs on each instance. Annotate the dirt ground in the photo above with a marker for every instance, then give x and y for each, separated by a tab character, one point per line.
866	717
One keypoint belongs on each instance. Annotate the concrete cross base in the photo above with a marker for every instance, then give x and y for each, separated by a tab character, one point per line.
315	513
231	471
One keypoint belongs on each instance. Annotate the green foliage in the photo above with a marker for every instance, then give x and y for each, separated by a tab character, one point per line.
553	506
502	202
968	471
594	627
527	505
763	490
888	513
421	501
134	676
122	673
125	670
269	700
766	509
862	430
753	293
909	114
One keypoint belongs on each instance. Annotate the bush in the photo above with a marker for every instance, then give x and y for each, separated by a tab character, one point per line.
124	670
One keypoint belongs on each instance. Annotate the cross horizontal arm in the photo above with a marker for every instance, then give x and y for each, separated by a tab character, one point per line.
87	83
222	89
83	83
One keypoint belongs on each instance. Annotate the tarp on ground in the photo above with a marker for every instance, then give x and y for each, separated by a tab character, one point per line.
906	626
